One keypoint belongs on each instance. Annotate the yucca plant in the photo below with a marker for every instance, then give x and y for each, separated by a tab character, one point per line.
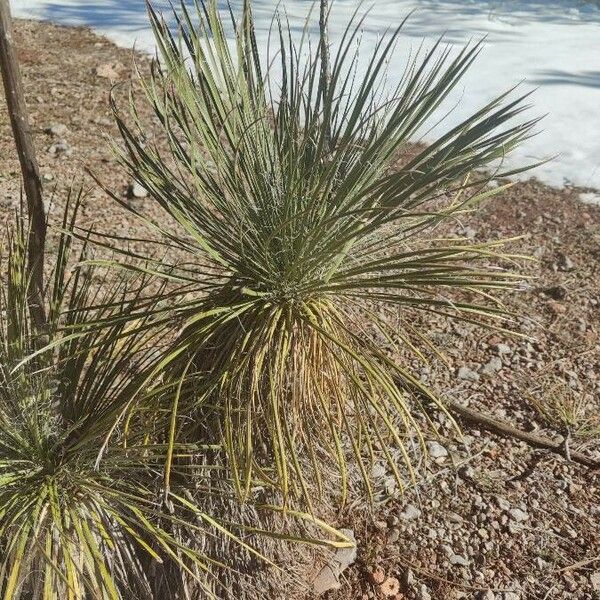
83	446
294	231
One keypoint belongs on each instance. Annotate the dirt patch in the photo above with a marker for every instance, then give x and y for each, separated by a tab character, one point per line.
493	519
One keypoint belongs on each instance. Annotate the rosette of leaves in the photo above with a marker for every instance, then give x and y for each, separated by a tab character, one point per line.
295	230
83	445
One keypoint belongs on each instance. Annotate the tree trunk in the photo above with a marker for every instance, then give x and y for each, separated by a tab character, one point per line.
17	109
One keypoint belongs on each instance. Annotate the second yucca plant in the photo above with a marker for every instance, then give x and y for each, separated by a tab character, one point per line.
82	448
294	229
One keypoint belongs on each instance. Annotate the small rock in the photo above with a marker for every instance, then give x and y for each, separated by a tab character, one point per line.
423	593
378	471
410	513
137	190
329	576
393	521
467	472
48	177
102	121
518	515
503	349
436	450
565	263
595	581
112	71
454	518
390	485
60	148
393	536
468	374
468	232
502	503
408	579
492	367
390	587
539	252
457	559
57	129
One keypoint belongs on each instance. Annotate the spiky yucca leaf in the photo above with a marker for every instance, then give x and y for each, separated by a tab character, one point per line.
82	448
295	229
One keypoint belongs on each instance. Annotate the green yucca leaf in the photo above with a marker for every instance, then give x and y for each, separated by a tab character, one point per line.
84	509
294	229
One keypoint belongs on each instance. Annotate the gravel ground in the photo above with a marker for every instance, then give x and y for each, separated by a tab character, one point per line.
492	519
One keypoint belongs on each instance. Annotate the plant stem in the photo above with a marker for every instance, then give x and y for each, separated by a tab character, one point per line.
325	66
507	430
483	421
17	109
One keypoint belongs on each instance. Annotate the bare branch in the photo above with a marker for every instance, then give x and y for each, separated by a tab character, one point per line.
325	62
17	109
507	430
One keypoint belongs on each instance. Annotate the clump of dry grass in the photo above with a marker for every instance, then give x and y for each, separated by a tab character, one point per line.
570	411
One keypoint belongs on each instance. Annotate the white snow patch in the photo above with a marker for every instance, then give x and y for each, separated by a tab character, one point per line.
592	198
551	45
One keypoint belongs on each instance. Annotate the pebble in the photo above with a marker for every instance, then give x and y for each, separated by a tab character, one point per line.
518	515
393	536
492	367
502	503
410	513
112	71
136	190
390	485
595	581
457	559
436	450
423	593
408	578
503	349
565	263
102	121
390	587
378	471
454	518
60	148
468	374
57	129
469	232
